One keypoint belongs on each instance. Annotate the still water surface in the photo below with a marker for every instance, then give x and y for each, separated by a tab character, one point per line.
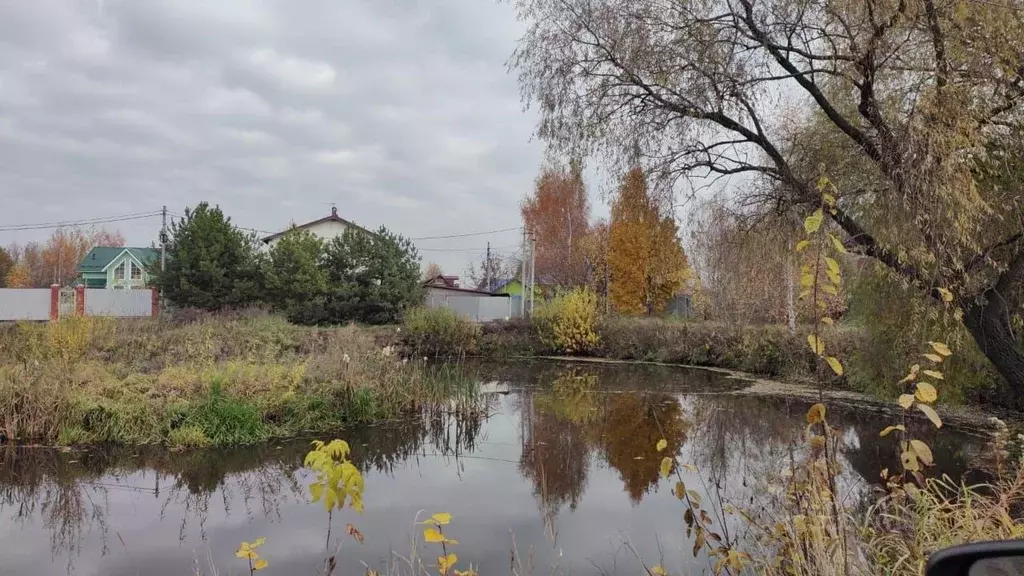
555	460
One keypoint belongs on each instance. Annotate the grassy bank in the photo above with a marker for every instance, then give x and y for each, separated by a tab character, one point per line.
209	380
764	350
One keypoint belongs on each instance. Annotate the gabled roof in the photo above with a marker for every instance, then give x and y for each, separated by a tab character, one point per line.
431	283
332	218
101	256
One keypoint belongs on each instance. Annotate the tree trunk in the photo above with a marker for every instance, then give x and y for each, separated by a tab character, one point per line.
989	325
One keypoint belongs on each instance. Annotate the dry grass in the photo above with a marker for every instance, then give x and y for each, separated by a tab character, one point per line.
139	381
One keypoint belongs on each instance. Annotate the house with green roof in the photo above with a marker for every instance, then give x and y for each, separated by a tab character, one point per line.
116	267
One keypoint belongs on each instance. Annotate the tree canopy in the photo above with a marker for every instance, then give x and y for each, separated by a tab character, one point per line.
211	264
915	104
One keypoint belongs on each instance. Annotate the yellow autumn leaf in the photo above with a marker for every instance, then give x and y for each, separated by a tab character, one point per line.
885	431
909	460
931	414
433	536
832	264
666	466
441	518
813	222
913	374
934	374
941	348
694	496
829	289
924	453
817	345
657	570
829	199
661	445
836	366
838	244
946	295
816	414
680	490
827	320
690	468
445	563
259	564
906	401
926	392
933	357
802	245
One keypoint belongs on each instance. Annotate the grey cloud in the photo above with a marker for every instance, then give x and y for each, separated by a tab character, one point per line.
400	112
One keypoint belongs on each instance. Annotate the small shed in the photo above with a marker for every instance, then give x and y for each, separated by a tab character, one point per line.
475	305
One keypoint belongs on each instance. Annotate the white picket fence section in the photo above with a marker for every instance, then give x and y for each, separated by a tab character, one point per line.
24	304
118	303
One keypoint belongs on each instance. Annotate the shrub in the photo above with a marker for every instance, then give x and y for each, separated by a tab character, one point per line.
438	332
568	321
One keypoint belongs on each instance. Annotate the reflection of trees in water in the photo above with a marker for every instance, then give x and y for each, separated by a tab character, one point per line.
556	451
67	491
575	417
631	426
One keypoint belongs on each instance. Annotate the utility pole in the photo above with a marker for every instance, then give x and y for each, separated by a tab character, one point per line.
487	267
163	239
522	277
533	270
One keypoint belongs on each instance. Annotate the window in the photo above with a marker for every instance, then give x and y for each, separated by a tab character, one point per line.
119	271
136	272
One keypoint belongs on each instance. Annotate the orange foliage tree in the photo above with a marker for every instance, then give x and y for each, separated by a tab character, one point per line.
557	214
646	260
57	260
18	277
433	271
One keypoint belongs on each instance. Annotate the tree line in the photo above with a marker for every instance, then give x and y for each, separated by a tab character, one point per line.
634	261
361	276
41	264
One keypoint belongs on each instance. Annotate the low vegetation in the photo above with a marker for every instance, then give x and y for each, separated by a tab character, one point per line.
206	380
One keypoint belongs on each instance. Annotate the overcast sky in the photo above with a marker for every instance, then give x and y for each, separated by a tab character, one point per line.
400	111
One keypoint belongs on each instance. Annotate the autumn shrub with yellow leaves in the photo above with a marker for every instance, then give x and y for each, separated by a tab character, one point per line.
568	322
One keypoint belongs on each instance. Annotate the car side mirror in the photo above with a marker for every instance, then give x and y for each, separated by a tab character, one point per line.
1004	558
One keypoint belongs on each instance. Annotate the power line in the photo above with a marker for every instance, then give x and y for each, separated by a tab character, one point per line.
84	222
467	234
493	248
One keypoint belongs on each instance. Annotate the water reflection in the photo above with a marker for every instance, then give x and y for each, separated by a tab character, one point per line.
566	460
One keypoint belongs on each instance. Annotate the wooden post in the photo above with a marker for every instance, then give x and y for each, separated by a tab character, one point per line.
80	300
54	302
155	311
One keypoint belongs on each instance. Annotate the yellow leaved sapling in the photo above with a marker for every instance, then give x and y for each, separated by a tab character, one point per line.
337	481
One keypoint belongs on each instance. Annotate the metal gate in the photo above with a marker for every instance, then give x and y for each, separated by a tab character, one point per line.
66	303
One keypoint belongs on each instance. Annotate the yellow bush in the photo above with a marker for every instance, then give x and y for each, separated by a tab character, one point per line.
568	321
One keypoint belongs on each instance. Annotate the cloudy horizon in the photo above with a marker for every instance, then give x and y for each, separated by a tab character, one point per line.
401	113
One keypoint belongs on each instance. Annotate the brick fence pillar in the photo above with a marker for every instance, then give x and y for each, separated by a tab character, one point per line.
156	302
80	300
54	301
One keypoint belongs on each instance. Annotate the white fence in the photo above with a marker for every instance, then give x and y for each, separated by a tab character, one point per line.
476	308
118	303
54	302
24	304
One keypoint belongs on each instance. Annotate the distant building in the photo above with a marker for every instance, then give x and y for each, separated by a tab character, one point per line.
117	267
477	305
442	281
327	228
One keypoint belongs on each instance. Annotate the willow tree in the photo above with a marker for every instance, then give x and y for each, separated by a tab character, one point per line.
926	97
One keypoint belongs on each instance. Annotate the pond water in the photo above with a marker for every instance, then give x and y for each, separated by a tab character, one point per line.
554	461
